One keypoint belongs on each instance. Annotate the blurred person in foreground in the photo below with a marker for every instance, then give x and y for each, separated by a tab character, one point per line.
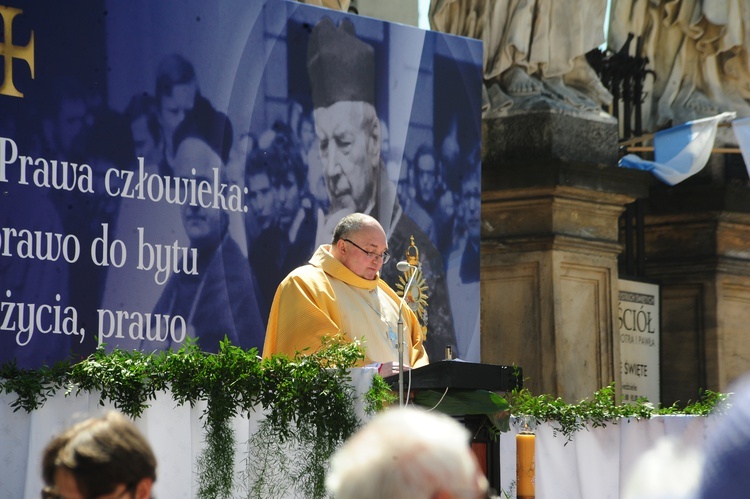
407	453
103	457
727	453
704	464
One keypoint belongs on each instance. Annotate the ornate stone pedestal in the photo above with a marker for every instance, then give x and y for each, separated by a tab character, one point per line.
552	195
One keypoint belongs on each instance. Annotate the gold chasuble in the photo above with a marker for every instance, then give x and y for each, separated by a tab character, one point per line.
326	298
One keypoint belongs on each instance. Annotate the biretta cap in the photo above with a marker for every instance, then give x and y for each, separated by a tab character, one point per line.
340	65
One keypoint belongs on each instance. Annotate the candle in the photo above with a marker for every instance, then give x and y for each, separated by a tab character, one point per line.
525	465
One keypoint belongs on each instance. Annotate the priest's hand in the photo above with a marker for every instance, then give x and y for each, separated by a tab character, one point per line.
390	368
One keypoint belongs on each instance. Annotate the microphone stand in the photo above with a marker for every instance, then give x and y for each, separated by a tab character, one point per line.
401	338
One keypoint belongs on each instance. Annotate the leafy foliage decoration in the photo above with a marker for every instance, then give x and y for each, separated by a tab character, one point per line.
308	400
602	409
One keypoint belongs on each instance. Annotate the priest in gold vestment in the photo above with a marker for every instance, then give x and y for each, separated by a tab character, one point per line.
340	291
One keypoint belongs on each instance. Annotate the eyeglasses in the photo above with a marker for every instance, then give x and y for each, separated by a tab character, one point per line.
385	256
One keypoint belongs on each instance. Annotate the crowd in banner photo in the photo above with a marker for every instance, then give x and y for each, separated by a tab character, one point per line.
90	250
137	219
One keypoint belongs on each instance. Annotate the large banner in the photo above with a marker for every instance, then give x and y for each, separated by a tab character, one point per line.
163	165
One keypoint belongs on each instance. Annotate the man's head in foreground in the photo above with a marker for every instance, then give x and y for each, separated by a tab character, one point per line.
407	453
103	457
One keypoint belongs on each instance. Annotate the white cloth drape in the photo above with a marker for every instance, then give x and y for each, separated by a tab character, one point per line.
174	431
595	464
600	463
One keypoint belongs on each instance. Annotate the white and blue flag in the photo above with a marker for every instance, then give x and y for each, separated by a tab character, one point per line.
681	151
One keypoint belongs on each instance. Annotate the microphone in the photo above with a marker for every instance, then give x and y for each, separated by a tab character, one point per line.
403	266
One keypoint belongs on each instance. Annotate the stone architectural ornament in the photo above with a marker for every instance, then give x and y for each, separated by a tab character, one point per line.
534	52
698	50
417	296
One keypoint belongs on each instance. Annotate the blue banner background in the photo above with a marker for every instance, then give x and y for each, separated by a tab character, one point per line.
93	58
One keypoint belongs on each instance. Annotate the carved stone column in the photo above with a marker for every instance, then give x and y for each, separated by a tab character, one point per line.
552	196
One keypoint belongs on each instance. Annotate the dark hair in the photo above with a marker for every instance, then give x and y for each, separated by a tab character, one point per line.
471	168
279	158
100	453
108	138
205	123
173	70
259	162
65	89
425	150
288	149
144	105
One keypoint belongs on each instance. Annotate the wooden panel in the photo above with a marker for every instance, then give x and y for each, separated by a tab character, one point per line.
683	369
734	333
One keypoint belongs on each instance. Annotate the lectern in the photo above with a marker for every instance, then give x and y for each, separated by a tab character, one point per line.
456	375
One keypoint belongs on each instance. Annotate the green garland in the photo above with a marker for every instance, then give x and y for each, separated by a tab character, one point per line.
308	400
603	409
308	403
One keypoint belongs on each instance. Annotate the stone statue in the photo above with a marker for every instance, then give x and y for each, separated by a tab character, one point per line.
534	50
698	50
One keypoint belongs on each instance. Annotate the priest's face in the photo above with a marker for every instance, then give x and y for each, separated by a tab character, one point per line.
349	144
362	253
